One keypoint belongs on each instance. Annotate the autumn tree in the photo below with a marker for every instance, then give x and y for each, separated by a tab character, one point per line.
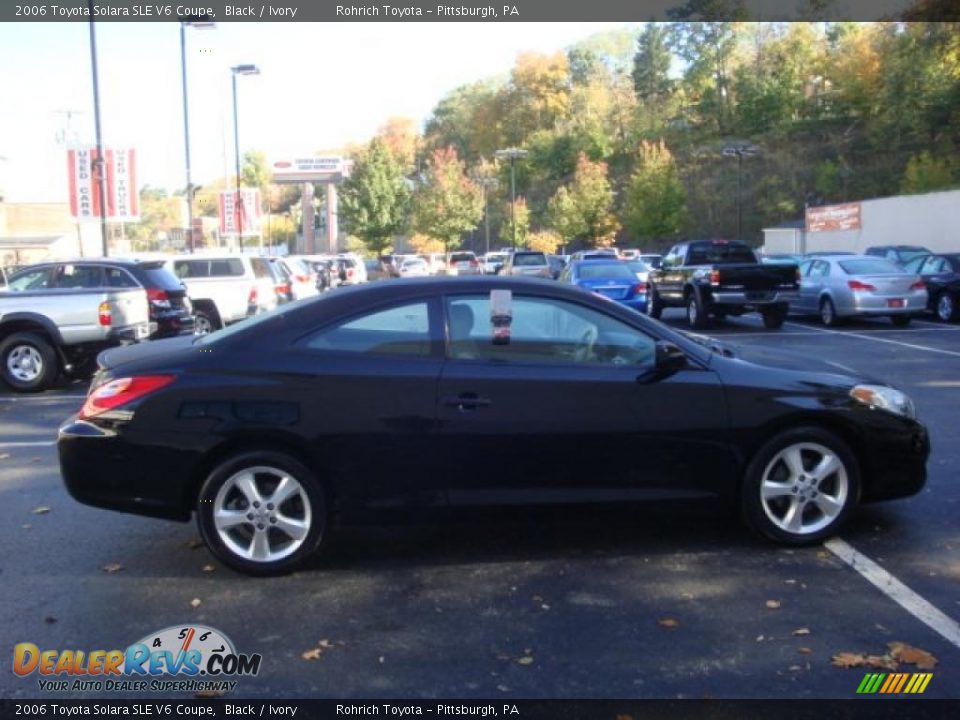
448	203
400	136
584	208
540	92
375	199
545	241
926	173
521	215
656	201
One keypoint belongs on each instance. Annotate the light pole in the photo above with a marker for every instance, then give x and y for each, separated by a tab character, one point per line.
186	121
512	153
99	164
487	183
234	71
740	150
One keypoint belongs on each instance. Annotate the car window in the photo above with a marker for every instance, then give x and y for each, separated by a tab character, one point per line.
36	279
720	252
462	257
226	267
398	330
819	269
870	266
544	330
116	277
604	270
915	265
934	266
187	269
69	277
528	259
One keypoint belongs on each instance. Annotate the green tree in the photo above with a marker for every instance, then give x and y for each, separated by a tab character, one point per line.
448	203
375	199
522	215
584	208
651	65
255	172
926	173
656	202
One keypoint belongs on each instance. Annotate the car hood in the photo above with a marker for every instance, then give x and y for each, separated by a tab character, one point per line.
146	351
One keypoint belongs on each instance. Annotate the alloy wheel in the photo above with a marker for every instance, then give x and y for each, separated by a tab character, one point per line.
804	488
945	307
25	363
202	325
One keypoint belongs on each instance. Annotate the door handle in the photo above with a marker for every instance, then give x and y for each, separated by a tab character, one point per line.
467	401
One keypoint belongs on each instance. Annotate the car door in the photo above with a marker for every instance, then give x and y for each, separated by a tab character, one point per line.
558	410
670	282
367	386
811	285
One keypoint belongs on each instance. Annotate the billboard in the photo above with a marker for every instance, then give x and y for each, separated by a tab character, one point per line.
119	168
230	212
312	168
833	217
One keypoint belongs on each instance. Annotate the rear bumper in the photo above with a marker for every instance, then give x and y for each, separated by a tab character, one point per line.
173	325
914	303
132	333
724	297
636	303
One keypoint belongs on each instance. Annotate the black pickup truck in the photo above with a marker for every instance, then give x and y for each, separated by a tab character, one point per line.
720	278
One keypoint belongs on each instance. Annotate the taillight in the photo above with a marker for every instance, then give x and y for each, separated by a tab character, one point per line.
919	285
301	278
116	393
104	314
158	297
714	277
473	263
640	289
252	297
349	272
858	286
283	288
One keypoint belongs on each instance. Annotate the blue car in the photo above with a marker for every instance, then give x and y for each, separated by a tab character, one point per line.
612	279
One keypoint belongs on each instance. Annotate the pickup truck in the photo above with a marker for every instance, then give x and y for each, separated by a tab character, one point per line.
720	278
51	322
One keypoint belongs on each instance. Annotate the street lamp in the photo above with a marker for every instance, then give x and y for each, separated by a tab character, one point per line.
239	70
740	151
186	121
512	153
486	183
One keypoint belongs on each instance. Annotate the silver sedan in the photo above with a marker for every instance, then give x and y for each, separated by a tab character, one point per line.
857	285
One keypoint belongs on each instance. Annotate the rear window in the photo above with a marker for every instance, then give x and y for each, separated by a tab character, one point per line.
718	253
529	259
870	266
261	268
603	270
462	257
226	267
156	275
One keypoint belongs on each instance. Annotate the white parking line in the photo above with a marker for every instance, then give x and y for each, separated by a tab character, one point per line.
41	398
38	443
906	598
870	336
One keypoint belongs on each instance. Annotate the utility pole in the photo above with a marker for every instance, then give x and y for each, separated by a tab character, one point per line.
100	163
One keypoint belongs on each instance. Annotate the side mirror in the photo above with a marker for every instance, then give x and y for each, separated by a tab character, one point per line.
669	358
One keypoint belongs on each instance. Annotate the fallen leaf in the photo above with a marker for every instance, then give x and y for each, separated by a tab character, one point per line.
759	638
193	544
26	526
823	555
312	654
791	581
208	568
503	688
528	651
4	456
41	510
112	567
624	717
804	650
325	644
801	631
795	668
525	660
195	603
773	604
537	599
882	662
901	652
848	660
35	460
668	622
381	659
544	606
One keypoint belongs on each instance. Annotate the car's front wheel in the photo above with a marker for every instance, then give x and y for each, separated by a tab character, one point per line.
262	513
800	486
947	307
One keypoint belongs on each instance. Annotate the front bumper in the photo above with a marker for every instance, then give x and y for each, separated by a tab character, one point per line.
894	461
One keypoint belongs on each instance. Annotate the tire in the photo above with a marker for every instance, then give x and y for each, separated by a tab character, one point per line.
798	509
828	313
900	320
697	316
946	307
205	322
28	362
654	304
774	316
258	529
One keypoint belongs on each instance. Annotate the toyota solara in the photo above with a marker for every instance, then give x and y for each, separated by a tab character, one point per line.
443	392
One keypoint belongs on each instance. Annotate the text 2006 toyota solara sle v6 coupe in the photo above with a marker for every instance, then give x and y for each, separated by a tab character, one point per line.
460	391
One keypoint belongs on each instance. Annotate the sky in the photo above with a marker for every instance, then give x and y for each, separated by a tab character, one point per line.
321	86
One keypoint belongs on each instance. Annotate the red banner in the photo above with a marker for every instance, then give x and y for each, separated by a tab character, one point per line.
119	168
230	212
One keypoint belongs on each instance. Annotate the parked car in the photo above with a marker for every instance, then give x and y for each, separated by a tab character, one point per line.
595	254
899	254
629	254
828	253
237	427
463	263
352	269
527	262
282	280
720	278
653	260
612	279
56	317
414	267
859	285
376	270
640	269
941	274
556	264
303	278
781	259
493	262
436	262
225	288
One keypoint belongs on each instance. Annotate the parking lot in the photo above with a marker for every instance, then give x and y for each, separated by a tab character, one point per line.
647	603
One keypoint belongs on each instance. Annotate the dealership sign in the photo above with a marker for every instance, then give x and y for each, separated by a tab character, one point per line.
311	169
833	217
119	172
230	210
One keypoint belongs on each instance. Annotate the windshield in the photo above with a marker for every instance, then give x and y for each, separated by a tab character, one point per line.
529	259
638	267
871	266
462	257
604	271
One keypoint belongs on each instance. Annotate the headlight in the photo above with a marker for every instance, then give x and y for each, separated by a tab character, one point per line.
884	398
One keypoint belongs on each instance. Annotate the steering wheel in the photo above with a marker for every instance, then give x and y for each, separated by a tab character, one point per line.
584	348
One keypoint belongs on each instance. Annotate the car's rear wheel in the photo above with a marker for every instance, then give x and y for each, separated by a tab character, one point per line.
828	313
28	362
946	307
774	316
697	316
654	304
262	513
800	487
900	320
204	323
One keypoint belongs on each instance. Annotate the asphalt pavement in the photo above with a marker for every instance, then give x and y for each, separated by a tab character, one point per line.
656	602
